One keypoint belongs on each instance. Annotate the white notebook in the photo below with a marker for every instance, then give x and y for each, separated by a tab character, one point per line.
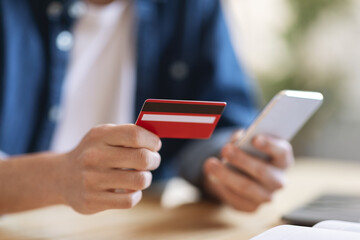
326	230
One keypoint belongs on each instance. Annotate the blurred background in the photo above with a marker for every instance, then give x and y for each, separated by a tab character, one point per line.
306	45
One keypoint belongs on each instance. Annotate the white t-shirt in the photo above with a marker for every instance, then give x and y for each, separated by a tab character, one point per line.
100	83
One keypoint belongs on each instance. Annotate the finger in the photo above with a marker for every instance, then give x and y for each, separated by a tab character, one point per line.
261	171
232	199
239	184
237	136
105	157
138	159
123	179
126	135
280	151
111	200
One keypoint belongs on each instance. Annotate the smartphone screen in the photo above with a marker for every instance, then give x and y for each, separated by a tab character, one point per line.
282	117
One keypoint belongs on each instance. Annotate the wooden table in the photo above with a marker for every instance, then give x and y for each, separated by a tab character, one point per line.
203	220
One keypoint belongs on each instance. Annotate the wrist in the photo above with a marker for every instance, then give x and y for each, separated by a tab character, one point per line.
30	181
53	170
59	171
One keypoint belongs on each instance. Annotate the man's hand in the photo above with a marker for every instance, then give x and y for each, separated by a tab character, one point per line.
249	181
109	168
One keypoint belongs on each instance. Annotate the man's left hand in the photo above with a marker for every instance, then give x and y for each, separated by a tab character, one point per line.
256	180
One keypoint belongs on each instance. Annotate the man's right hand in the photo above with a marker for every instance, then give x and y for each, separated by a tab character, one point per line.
109	157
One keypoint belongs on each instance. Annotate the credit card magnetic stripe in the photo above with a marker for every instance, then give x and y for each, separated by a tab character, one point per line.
183	108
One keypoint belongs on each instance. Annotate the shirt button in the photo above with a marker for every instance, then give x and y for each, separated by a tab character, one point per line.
64	41
179	70
54	9
54	114
77	9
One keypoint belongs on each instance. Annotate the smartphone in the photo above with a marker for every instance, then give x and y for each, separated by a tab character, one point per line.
282	117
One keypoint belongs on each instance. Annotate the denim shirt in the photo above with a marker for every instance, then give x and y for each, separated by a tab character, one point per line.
183	52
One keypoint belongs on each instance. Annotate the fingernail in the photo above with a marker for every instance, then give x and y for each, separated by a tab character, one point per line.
213	165
213	179
224	160
261	141
276	150
160	144
137	197
229	150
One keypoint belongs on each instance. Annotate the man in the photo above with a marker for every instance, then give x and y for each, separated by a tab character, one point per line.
99	66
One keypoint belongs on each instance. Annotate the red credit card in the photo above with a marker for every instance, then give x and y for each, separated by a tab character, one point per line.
179	118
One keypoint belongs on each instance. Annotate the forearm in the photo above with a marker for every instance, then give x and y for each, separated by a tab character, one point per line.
30	181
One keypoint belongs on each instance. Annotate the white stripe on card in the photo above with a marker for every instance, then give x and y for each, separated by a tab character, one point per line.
177	118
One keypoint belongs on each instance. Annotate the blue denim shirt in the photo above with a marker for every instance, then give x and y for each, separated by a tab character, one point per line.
183	52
